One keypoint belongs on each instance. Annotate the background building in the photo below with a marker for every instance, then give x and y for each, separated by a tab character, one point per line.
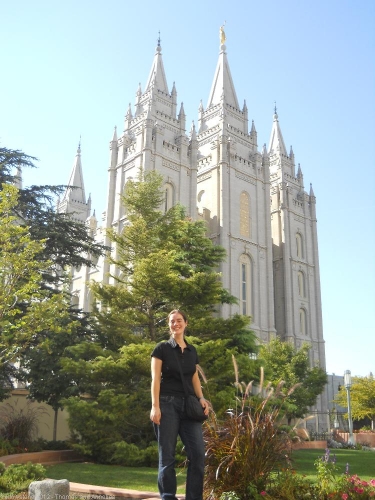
252	198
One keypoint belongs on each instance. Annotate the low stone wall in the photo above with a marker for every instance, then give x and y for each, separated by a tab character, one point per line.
311	445
48	457
367	438
108	493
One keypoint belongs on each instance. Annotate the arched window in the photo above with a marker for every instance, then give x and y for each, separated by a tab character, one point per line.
201	196
245	214
301	284
246	285
302	322
299	243
202	199
168	197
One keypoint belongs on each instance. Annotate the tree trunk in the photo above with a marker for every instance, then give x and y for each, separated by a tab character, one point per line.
55	425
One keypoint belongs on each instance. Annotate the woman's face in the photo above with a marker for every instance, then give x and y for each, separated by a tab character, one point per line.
177	324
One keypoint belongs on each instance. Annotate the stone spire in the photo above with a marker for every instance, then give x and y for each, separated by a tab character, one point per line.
74	199
75	192
222	86
157	74
276	144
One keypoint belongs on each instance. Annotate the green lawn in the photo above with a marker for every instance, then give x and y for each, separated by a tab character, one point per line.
133	478
360	462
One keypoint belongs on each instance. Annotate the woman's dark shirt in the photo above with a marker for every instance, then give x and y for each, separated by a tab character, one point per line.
171	383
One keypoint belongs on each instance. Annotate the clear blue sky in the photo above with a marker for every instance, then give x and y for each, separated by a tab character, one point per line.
70	69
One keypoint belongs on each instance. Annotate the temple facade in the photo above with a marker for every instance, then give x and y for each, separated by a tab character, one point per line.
253	200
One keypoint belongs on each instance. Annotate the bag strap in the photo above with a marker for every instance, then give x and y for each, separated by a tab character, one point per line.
182	375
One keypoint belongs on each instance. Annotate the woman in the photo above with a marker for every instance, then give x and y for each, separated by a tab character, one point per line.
167	412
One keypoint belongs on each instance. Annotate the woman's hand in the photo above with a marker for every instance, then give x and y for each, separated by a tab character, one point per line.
155	415
205	405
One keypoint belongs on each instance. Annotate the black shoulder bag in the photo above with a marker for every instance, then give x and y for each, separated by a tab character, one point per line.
193	408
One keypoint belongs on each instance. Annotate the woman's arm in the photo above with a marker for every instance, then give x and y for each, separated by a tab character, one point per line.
198	392
155	413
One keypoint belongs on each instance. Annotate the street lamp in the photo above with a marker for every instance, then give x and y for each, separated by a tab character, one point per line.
336	423
348	384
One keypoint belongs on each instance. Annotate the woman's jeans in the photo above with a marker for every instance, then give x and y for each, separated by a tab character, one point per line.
173	423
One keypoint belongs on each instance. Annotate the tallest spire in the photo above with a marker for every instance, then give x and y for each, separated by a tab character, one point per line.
157	74
222	85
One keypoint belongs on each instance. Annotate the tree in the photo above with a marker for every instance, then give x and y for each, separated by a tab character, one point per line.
25	308
164	260
41	367
66	241
362	397
283	362
55	242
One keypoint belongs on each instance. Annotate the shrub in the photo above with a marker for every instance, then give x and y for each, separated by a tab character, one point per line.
245	446
288	485
19	476
127	454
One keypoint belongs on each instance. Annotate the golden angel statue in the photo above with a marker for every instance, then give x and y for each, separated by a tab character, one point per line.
222	34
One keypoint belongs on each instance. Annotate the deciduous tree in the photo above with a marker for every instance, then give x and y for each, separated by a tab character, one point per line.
362	397
284	362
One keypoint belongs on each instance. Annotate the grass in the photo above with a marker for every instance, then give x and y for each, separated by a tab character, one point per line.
360	462
133	478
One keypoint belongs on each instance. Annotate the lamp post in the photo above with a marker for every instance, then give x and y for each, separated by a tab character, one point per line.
336	423
348	384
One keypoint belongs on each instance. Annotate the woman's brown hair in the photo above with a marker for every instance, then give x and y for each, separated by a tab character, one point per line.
178	311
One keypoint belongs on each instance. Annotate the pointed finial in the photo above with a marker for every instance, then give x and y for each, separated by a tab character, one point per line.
275	112
193	134
79	145
114	137
159	39
182	111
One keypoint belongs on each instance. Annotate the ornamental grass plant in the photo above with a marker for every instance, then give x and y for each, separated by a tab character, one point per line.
244	447
19	426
